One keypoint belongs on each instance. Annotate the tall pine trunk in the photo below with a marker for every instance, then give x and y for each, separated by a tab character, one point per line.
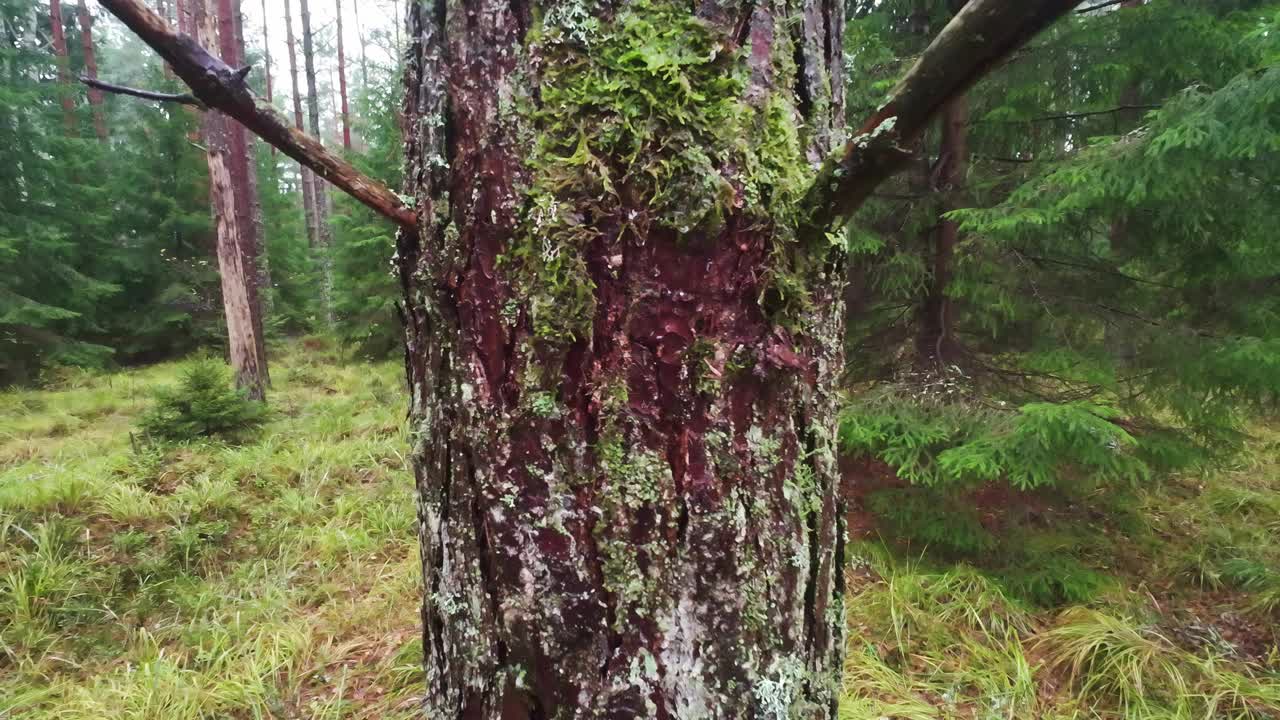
319	191
308	177
342	85
91	68
623	360
235	259
244	180
59	38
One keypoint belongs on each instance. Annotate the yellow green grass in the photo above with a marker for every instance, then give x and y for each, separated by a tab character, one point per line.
279	578
266	580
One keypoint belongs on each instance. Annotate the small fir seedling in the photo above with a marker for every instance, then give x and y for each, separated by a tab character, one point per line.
203	404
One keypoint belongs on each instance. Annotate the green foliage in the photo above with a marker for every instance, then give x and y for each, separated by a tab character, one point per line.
365	289
203	404
932	442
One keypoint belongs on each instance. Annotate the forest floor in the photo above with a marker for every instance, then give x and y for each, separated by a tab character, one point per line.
279	578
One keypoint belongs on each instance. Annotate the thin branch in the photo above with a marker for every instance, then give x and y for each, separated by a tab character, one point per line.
977	40
223	88
180	98
1075	115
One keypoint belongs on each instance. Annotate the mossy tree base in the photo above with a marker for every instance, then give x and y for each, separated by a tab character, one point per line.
622	359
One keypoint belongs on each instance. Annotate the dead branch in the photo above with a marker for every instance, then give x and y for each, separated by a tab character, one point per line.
977	39
180	98
222	88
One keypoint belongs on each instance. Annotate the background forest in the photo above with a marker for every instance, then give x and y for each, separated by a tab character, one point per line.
1059	433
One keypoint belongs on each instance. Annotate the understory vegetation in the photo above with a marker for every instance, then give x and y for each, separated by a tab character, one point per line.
209	579
278	576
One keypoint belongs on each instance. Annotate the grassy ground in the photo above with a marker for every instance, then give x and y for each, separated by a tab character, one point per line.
275	579
278	578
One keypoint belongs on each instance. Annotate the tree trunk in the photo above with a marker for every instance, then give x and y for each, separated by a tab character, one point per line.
342	85
935	343
266	54
308	177
261	256
623	341
235	261
244	179
319	192
64	61
364	59
91	69
625	403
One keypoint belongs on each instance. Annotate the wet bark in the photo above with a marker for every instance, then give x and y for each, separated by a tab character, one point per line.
643	520
235	266
319	194
91	69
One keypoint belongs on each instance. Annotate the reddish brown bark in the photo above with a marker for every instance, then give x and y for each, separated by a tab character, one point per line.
91	69
235	260
59	39
638	518
342	84
242	170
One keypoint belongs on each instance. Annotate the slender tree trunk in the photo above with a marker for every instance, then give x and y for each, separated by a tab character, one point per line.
262	257
244	172
91	69
266	55
935	343
626	427
308	178
364	60
342	84
180	8
64	63
235	263
320	195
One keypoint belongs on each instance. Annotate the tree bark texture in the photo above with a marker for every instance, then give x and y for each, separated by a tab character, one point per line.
308	178
623	388
91	69
319	193
59	39
244	181
342	84
235	266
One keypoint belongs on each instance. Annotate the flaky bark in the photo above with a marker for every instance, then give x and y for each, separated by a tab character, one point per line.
623	343
243	170
91	68
640	520
235	266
